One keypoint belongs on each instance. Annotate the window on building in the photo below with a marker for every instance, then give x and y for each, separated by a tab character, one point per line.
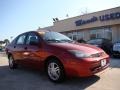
101	33
80	35
76	35
70	35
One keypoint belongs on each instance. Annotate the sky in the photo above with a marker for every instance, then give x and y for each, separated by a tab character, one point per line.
18	16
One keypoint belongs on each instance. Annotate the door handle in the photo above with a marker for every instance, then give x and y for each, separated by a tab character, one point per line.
26	53
25	48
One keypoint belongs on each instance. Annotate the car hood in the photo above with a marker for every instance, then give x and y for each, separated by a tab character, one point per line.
91	49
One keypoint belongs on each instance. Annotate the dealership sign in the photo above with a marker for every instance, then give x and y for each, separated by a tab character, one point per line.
105	17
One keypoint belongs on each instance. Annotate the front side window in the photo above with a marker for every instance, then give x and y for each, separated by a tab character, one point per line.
21	39
32	39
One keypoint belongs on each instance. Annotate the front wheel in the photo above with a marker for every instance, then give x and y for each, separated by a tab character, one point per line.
12	63
55	71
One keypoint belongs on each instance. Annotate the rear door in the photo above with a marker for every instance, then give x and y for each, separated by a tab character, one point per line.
18	47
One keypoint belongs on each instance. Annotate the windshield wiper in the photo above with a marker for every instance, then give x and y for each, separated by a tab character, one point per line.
56	40
66	40
53	40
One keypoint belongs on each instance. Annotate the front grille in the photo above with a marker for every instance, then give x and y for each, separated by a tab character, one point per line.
99	68
95	68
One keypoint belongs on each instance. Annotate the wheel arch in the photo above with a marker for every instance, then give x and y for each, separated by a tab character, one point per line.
9	54
50	58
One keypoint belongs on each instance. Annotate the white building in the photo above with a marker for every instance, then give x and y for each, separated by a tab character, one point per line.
102	24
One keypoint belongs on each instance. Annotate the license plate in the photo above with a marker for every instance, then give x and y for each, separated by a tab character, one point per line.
103	62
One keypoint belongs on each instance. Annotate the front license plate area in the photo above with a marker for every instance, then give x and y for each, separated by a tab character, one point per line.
103	62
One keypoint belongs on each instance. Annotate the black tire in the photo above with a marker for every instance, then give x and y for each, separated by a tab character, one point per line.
60	71
12	64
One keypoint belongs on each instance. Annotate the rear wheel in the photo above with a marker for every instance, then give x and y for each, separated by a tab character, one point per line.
12	63
55	71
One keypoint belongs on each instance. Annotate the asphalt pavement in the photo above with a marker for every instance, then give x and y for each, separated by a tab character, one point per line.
27	79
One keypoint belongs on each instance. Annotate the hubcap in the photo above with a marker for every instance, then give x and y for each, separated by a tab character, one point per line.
53	71
11	62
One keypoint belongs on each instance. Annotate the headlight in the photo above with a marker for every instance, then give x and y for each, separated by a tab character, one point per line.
79	54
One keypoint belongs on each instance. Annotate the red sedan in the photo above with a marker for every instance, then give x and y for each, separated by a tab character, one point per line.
57	54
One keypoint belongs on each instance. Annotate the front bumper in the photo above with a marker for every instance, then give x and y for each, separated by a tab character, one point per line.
84	68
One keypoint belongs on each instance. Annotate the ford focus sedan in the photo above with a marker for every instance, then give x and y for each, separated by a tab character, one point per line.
56	54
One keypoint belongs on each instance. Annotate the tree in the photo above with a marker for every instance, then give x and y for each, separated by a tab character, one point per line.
6	41
84	11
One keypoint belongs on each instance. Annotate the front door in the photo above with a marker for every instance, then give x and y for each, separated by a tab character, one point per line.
33	50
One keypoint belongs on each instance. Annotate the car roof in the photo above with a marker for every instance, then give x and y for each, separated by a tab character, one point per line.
39	32
36	31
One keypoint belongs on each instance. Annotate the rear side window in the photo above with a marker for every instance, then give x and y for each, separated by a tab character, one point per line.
21	39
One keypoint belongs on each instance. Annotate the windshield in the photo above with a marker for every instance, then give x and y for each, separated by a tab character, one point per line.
55	37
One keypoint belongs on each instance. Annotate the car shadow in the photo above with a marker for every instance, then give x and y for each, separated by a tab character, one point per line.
29	79
81	83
